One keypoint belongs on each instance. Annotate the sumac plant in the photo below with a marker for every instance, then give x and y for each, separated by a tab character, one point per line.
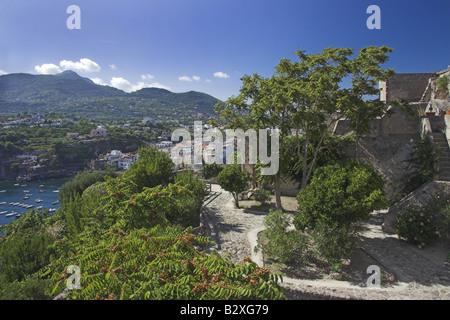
159	263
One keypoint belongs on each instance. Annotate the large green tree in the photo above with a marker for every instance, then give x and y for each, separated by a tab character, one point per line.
309	96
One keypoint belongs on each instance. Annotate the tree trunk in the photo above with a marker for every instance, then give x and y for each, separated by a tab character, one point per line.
305	163
277	187
236	199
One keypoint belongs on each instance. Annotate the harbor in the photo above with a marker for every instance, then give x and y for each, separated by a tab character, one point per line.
17	198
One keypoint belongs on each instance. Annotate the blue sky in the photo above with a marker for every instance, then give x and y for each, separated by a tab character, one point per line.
208	45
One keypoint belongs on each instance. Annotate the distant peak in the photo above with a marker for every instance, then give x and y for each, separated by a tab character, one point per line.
68	73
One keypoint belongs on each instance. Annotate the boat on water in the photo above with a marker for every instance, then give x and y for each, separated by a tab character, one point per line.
16	184
3	212
56	191
2	202
41	186
51	210
55	202
1	191
41	191
26	191
25	198
38	200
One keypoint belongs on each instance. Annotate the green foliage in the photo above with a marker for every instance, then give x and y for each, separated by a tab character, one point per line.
333	241
234	180
342	193
442	85
81	182
331	150
9	149
211	170
262	195
286	246
31	288
425	158
416	225
153	168
24	247
159	263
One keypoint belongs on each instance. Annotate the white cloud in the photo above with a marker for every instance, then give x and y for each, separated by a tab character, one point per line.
127	86
146	76
47	68
99	81
195	78
2	72
84	65
122	84
185	78
113	66
221	74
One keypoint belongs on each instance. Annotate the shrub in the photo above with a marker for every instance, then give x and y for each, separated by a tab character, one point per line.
332	242
153	168
262	195
211	170
161	263
425	157
415	224
341	193
439	206
442	85
234	180
286	246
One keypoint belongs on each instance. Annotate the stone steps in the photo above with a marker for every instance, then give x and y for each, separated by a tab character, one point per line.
439	138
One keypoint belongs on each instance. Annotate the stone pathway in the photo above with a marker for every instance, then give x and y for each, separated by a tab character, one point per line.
420	275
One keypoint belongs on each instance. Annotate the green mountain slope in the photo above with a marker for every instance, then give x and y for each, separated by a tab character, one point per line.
67	92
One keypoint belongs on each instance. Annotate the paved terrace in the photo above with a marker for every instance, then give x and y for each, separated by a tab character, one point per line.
420	274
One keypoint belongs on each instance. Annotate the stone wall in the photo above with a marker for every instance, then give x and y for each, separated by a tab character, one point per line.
399	124
409	86
419	197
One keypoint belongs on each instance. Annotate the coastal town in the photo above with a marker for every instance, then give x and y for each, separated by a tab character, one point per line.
66	151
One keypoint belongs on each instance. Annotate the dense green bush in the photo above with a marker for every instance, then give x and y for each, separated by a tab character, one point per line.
332	241
339	196
342	193
262	195
415	224
439	206
286	246
82	181
25	247
152	169
211	170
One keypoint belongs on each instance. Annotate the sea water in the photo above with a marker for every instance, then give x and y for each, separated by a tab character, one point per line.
39	193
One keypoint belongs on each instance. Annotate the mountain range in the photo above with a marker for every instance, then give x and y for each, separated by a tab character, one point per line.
68	92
